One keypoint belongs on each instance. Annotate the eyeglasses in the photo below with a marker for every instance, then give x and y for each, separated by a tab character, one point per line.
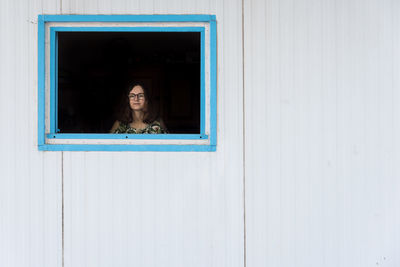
139	96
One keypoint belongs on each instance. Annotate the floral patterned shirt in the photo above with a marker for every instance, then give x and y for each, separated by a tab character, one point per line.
152	128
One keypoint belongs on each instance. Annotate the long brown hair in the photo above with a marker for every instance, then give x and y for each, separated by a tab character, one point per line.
126	111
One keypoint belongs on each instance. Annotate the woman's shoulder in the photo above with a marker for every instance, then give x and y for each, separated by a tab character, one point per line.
115	126
157	126
156	122
119	127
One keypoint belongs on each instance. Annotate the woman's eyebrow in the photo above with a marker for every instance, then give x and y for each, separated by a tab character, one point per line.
136	94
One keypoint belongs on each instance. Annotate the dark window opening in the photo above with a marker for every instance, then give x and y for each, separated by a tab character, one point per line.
95	68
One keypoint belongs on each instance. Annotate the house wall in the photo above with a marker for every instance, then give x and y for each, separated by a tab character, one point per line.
322	126
305	170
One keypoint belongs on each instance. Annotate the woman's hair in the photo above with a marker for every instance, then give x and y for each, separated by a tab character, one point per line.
126	111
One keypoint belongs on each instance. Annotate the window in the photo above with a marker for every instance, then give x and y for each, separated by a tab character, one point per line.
86	62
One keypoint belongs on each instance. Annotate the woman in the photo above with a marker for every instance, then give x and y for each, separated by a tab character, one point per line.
138	116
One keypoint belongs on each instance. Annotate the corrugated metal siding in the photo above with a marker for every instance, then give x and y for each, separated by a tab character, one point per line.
30	191
321	107
162	209
175	209
322	123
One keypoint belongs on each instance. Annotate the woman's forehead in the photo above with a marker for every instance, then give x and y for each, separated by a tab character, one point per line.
137	89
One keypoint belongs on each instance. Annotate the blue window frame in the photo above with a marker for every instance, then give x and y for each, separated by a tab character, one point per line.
49	137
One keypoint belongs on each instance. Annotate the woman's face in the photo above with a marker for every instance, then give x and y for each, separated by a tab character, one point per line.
137	99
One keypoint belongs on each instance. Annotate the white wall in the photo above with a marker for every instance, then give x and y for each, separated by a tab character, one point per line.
318	99
30	181
120	209
322	97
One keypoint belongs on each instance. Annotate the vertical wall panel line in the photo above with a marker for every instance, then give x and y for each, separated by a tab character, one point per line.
244	142
62	209
62	181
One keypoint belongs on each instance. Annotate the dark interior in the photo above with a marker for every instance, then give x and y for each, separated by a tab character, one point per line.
95	69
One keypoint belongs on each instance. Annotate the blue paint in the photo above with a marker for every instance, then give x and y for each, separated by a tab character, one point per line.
123	18
213	83
56	84
128	18
54	76
126	136
53	82
128	29
198	148
41	81
202	84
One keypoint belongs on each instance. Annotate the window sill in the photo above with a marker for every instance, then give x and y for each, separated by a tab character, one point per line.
150	148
